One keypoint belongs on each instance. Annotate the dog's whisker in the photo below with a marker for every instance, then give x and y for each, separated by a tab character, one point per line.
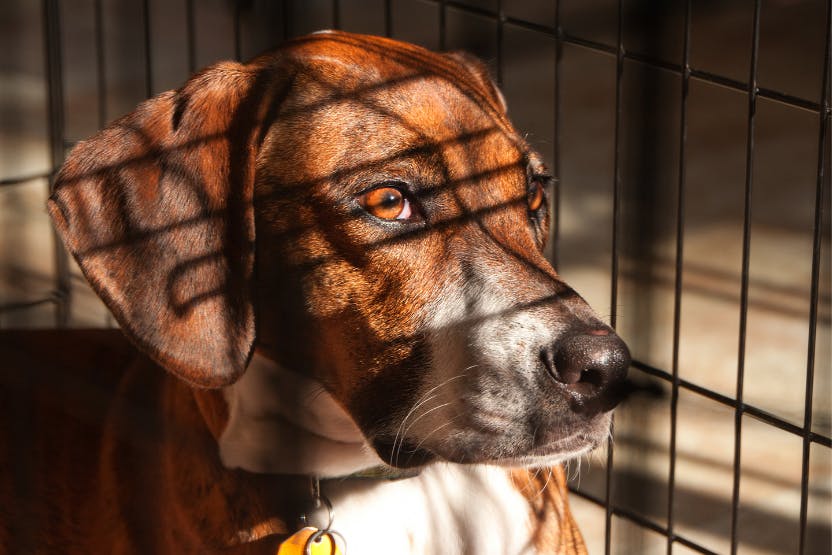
422	400
424	439
415	420
532	478
449	422
578	463
549	474
427	412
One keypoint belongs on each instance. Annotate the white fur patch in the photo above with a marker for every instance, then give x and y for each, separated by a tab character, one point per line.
446	509
283	423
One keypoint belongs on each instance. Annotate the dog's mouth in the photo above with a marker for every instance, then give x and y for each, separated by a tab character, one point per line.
497	441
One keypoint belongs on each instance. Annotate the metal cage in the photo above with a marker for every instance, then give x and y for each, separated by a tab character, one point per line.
638	109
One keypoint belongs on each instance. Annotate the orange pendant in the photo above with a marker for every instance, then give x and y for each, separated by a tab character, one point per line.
303	543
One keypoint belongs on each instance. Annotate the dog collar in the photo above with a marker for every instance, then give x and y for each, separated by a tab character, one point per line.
382	472
275	526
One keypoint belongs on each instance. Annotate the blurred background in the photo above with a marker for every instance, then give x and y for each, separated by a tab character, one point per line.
691	140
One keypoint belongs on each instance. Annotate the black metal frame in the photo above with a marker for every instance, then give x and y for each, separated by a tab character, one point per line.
61	299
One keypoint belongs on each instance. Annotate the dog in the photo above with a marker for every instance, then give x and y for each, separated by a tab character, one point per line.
327	266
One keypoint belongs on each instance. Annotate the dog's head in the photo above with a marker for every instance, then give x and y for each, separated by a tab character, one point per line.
363	211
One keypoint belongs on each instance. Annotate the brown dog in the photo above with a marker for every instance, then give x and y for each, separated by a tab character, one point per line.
360	214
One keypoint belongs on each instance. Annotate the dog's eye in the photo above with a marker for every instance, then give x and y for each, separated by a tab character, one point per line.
536	196
387	203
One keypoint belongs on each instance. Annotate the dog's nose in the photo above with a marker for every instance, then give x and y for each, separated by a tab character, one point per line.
591	363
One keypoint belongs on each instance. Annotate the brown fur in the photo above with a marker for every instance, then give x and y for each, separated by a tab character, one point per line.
216	210
555	531
110	454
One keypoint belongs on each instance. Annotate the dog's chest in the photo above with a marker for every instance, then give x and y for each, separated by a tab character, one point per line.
446	509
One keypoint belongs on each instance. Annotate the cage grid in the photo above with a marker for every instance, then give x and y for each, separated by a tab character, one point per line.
60	296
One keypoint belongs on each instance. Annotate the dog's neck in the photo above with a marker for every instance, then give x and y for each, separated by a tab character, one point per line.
281	422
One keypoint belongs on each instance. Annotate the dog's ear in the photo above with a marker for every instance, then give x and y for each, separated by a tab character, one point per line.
480	72
157	210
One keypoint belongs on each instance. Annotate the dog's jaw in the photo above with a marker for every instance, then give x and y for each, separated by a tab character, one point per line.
283	423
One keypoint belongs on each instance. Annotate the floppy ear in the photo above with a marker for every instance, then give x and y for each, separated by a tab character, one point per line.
157	210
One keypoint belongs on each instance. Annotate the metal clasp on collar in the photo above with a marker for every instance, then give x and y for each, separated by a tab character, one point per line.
308	518
319	500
